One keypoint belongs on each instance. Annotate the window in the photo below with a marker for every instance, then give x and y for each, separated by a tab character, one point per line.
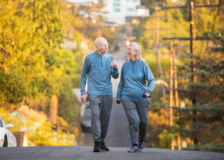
134	1
130	10
117	4
117	9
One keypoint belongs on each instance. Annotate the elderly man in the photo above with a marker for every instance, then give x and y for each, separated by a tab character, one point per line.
99	66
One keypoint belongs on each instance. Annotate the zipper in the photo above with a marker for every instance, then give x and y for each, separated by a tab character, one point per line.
101	57
132	70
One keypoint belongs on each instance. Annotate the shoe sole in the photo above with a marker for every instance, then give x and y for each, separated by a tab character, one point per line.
105	150
132	152
139	150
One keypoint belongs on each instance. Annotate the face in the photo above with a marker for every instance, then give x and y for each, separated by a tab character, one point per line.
132	52
102	47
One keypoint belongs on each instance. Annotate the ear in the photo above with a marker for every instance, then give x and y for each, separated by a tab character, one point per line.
136	54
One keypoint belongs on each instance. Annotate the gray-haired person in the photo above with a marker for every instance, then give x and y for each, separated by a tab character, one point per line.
135	95
99	66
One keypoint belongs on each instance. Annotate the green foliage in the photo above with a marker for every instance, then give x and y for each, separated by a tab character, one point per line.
209	72
95	24
76	81
62	65
68	106
165	139
32	64
39	130
214	147
151	4
171	24
44	135
29	31
209	91
150	58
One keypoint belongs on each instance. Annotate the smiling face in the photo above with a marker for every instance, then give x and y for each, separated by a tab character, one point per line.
132	52
102	46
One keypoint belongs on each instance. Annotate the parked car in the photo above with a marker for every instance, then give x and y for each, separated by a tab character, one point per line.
7	139
86	119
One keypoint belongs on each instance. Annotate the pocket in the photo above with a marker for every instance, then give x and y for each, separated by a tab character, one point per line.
128	105
146	105
94	99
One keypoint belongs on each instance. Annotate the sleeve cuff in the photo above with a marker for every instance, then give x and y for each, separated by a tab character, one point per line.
148	91
118	96
83	93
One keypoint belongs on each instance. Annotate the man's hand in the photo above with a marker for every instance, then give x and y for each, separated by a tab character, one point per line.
114	64
83	98
118	101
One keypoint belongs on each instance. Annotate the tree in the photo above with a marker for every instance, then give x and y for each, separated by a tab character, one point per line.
29	31
209	91
209	58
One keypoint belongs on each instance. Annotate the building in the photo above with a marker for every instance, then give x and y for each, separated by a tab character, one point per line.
117	10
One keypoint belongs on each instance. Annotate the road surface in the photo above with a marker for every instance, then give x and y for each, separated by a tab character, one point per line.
85	153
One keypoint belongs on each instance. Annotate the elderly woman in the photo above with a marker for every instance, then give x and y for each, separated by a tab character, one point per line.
135	95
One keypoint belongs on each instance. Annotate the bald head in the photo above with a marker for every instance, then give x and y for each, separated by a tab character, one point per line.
101	45
100	40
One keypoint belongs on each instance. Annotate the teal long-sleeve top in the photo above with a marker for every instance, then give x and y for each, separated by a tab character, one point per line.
98	70
132	86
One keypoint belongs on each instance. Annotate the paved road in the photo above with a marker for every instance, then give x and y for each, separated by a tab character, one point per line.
85	153
118	132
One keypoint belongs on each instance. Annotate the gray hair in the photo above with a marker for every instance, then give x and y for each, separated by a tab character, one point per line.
99	40
138	49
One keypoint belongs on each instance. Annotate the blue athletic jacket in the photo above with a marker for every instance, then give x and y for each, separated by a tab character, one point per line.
132	86
97	69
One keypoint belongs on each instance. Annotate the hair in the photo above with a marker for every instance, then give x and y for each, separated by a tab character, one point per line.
98	40
138	49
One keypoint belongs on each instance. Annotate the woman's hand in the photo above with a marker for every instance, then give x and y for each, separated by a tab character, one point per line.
146	95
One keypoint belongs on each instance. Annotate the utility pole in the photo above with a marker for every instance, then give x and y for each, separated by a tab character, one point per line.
192	39
171	94
159	72
158	69
193	68
176	95
171	91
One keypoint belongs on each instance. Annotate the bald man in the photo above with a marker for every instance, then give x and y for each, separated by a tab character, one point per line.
99	66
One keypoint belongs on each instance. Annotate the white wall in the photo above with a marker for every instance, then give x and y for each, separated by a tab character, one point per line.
117	9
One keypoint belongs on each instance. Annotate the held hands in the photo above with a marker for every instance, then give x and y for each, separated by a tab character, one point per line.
113	64
83	99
